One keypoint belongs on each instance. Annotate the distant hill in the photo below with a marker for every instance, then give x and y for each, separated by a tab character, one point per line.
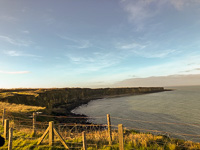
172	80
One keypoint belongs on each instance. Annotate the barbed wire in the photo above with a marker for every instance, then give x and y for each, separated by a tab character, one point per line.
75	127
70	117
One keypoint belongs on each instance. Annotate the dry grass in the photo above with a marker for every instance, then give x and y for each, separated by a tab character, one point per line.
19	108
6	94
11	93
99	140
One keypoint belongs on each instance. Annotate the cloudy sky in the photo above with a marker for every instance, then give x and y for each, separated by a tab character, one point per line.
81	43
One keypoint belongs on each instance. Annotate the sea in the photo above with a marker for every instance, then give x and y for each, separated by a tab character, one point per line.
175	113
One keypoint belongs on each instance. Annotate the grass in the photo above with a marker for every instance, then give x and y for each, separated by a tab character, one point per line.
19	108
13	93
23	140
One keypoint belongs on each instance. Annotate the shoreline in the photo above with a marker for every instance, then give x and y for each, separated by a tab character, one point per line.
61	101
85	121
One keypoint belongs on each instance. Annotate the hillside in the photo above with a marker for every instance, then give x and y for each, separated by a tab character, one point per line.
166	81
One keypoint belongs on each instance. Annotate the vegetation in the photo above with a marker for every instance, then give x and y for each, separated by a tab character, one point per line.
7	94
23	140
19	108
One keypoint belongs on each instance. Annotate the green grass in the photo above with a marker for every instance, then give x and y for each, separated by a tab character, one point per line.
23	140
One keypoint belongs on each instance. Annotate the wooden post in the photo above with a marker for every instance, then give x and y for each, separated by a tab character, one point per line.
3	116
43	136
109	129
34	124
121	138
51	133
6	129
84	141
60	138
51	130
10	139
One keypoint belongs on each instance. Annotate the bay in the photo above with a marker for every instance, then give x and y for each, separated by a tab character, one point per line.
176	113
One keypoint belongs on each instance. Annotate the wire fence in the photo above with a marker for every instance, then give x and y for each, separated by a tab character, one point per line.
97	135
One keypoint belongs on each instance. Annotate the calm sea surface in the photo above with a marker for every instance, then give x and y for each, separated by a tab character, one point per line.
179	107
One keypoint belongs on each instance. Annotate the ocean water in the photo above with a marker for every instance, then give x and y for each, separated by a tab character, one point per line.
176	113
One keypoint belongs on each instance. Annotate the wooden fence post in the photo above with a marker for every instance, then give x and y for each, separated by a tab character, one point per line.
3	116
60	137
109	129
51	133
43	136
84	141
34	124
6	129
121	138
51	130
10	139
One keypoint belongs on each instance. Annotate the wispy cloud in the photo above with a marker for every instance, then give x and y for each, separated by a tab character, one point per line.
18	42
80	59
19	53
76	43
139	11
193	70
156	54
147	50
181	4
128	46
177	66
14	72
95	62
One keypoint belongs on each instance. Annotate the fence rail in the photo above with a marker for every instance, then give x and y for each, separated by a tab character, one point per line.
64	132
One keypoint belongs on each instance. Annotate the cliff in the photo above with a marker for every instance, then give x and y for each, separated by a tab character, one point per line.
63	100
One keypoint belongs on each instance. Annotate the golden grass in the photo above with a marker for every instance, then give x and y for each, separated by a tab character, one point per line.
27	93
9	94
6	94
19	108
99	139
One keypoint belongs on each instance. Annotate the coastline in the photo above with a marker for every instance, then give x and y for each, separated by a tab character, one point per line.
139	134
85	120
61	101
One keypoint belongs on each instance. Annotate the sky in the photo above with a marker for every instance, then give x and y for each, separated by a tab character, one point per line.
86	43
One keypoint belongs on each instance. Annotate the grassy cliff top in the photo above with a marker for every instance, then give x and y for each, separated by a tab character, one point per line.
19	108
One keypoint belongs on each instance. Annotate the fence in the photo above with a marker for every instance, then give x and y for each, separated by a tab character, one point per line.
81	136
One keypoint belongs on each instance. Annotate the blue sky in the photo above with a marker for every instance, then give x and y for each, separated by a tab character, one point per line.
86	43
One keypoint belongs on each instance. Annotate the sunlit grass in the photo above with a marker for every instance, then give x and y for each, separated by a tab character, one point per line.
23	140
19	108
13	93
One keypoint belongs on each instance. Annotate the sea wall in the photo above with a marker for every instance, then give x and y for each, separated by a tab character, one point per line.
62	100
